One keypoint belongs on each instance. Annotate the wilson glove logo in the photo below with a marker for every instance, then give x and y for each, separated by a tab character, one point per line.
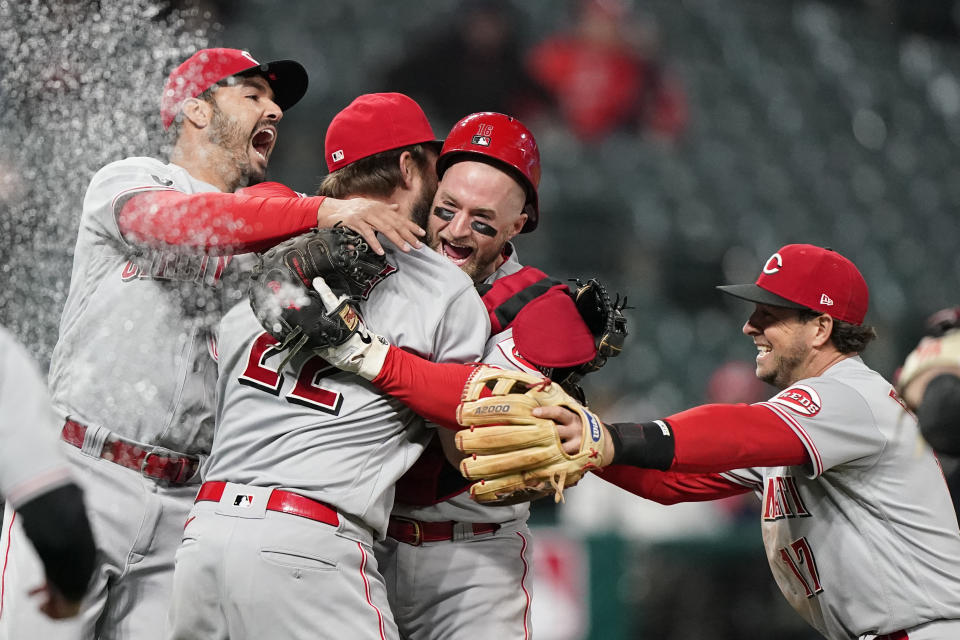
594	428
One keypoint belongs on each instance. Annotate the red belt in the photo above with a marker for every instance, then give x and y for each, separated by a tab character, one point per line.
175	468
279	500
416	532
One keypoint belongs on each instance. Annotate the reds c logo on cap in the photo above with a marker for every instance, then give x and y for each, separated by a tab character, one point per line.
774	264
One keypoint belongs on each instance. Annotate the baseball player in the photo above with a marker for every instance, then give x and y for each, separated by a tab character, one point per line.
132	374
857	523
300	479
453	566
37	484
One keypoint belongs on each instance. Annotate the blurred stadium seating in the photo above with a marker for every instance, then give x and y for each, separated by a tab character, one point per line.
810	122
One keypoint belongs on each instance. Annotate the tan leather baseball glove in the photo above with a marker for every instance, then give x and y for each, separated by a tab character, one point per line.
514	456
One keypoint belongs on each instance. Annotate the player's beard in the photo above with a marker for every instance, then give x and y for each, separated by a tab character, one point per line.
481	262
786	366
229	136
420	212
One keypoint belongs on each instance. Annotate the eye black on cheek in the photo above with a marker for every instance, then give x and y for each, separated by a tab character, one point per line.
485	229
444	214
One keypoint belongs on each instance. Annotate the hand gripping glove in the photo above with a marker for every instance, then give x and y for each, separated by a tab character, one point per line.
515	456
282	296
362	352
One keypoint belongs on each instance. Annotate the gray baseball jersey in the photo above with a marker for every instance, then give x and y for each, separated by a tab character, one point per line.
134	358
864	540
449	589
498	351
30	462
330	435
313	431
134	348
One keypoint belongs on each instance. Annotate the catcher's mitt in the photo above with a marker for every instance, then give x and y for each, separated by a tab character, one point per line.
515	456
282	295
604	317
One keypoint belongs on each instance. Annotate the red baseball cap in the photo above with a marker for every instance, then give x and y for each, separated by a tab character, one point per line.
802	276
207	67
373	123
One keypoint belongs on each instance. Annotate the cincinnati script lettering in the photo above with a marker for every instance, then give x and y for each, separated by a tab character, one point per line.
781	499
176	266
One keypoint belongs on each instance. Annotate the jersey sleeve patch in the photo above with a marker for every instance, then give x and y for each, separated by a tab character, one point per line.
800	399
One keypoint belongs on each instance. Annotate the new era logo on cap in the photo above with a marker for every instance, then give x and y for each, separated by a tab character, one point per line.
337	155
803	276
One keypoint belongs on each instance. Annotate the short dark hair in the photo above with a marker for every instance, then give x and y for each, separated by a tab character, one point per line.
846	337
377	175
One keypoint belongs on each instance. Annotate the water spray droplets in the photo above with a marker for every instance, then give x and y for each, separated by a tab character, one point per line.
80	87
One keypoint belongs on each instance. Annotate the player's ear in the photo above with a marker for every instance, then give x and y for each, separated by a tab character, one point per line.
518	223
409	171
197	111
824	328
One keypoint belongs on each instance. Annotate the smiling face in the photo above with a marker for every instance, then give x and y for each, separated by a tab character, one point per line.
477	210
244	126
785	344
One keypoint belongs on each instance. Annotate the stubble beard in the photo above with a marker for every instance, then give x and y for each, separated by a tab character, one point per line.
237	169
420	212
785	368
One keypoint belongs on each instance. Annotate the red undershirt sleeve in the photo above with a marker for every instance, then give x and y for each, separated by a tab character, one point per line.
721	437
215	222
431	389
671	487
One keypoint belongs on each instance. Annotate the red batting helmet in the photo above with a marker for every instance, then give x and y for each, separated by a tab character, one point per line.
503	141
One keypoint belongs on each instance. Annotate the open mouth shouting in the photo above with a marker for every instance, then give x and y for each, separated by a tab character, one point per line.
457	254
263	140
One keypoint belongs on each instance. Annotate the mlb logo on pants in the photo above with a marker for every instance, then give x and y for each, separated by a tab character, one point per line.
242	501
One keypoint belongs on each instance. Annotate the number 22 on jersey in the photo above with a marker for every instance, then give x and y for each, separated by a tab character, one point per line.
307	391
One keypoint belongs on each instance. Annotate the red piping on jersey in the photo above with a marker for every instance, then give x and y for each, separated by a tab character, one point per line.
366	589
798	429
523	587
6	558
215	222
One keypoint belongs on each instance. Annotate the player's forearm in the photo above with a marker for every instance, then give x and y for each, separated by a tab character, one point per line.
56	523
432	389
671	487
709	438
215	222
